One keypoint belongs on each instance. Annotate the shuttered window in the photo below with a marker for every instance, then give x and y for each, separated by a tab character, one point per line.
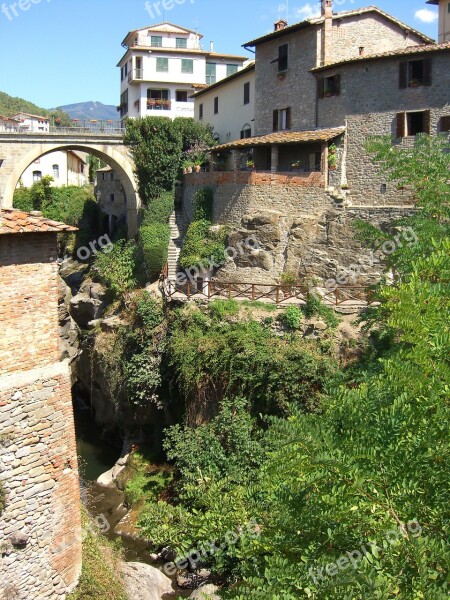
415	73
282	119
329	86
411	124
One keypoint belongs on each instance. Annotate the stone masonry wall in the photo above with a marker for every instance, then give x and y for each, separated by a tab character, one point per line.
40	526
298	230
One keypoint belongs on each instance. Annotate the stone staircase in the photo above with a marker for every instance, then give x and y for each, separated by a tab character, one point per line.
176	241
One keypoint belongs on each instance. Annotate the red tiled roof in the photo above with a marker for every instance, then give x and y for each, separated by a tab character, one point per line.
410	50
284	137
16	221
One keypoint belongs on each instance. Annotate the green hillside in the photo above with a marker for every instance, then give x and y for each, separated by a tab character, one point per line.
10	106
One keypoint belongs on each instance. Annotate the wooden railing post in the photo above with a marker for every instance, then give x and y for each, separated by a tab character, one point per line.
278	294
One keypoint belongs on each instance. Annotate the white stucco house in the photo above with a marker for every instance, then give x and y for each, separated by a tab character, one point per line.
163	66
66	168
229	105
32	123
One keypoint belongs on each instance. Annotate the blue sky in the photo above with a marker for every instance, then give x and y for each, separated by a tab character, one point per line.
65	51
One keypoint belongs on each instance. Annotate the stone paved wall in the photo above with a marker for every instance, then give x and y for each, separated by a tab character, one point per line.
38	459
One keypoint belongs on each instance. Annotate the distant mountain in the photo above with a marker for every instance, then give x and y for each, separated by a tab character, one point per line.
91	110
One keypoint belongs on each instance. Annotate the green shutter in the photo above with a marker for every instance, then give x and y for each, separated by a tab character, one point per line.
162	65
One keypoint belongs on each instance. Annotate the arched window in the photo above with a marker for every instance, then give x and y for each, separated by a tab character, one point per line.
55	172
37	176
246	131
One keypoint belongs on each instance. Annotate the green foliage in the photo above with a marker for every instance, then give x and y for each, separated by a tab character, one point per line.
115	266
203	204
196	139
100	577
293	317
314	307
148	481
156	147
219	309
202	245
149	311
95	164
159	210
214	359
154	240
11	106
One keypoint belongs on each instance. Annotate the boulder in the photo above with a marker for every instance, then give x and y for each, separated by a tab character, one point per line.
206	592
89	304
146	583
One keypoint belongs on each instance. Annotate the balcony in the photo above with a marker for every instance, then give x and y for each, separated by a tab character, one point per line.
153	104
135	75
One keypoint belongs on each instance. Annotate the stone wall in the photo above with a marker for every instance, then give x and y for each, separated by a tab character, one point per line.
40	528
298	229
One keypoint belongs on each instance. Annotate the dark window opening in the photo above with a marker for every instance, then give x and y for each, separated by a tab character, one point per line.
246	132
247	93
416	123
216	105
383	188
415	73
444	127
182	96
200	111
329	86
282	119
283	57
111	197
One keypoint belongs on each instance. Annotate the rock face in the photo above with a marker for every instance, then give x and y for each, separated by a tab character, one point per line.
89	304
206	592
146	583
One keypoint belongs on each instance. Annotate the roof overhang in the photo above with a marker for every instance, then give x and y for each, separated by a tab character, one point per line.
283	138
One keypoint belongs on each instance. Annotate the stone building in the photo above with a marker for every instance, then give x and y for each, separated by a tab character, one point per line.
322	87
111	198
40	529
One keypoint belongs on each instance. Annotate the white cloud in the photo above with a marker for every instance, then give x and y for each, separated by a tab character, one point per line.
308	11
426	16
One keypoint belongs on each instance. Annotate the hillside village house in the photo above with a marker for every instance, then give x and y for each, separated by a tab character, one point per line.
229	105
66	168
322	87
163	66
33	123
111	198
444	19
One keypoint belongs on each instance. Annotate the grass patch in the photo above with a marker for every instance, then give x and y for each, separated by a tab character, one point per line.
148	482
100	579
258	305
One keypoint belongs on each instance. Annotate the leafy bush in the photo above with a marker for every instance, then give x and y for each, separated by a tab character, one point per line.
219	309
149	311
203	205
159	209
116	268
154	240
315	307
293	317
202	245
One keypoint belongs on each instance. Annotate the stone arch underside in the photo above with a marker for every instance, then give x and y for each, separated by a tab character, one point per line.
119	162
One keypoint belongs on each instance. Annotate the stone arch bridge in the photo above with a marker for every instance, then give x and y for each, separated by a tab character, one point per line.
20	149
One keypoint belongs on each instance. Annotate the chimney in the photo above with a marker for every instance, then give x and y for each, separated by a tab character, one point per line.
211	46
279	25
327	31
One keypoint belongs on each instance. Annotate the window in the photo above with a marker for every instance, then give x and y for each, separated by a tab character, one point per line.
158	99
200	111
111	176
413	123
415	73
231	70
111	197
182	96
329	86
156	41
211	73
283	57
37	176
187	65
216	105
55	172
444	125
162	65
124	103
282	119
247	93
181	43
246	132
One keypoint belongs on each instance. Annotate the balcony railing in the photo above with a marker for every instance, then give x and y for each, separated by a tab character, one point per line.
159	104
135	75
146	42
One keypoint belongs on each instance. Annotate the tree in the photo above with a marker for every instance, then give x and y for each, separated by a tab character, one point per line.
156	148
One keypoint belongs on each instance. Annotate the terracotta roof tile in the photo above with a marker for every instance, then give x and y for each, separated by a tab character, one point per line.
15	221
285	137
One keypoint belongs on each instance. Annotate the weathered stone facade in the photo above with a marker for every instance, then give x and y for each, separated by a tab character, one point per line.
40	529
297	227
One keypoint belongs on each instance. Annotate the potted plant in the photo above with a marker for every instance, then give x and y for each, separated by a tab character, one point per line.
296	166
414	83
332	157
250	164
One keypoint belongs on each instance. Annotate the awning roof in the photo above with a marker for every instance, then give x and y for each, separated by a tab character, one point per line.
285	137
16	221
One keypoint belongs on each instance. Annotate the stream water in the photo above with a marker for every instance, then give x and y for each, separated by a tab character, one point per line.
97	457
